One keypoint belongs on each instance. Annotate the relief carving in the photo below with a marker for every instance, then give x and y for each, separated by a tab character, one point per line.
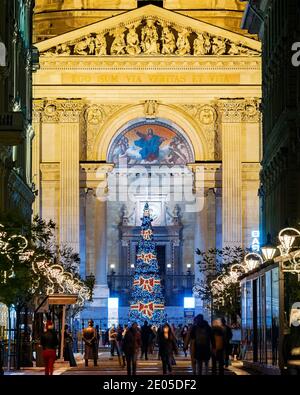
207	116
133	42
239	110
167	40
151	36
95	116
183	44
150	108
62	110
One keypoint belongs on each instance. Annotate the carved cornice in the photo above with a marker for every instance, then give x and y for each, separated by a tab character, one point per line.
150	63
239	110
60	110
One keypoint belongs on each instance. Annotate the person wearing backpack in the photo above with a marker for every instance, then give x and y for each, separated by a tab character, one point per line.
201	335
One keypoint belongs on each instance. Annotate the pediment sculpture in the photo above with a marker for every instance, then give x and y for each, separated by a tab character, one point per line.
151	36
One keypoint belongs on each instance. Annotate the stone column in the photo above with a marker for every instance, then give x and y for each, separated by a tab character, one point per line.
36	153
94	177
70	111
231	111
235	114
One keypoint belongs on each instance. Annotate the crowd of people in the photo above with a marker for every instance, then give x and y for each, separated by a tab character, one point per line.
129	343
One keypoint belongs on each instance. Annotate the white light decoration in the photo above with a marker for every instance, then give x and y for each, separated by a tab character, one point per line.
169	265
252	261
287	239
58	279
61	281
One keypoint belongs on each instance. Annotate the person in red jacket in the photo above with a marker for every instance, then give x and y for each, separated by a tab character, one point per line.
49	343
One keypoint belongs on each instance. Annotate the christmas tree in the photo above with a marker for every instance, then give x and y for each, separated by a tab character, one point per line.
147	302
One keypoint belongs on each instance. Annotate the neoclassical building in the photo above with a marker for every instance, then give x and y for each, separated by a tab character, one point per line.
157	104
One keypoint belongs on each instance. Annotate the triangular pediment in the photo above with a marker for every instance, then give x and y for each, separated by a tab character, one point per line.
150	30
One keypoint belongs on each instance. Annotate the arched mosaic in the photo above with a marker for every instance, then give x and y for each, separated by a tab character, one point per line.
150	142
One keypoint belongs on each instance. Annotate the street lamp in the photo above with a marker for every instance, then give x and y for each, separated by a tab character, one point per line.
268	250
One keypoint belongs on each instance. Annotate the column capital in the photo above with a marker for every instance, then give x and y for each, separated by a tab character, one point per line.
62	110
239	110
37	109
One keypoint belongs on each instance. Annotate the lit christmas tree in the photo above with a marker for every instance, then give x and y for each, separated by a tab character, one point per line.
147	297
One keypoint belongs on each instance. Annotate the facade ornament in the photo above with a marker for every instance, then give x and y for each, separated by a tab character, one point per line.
37	109
149	36
219	46
100	45
62	110
198	46
167	40
63	49
183	44
252	111
207	44
85	46
143	36
150	108
94	114
133	42
239	110
231	109
119	45
206	115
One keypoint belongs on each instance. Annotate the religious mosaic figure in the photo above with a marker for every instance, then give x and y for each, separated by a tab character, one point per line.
133	42
199	48
183	44
149	144
121	149
118	46
218	46
177	151
168	41
149	38
63	49
100	45
82	47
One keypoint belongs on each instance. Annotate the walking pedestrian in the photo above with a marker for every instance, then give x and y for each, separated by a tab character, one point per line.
190	343
146	337
131	346
183	334
112	336
167	347
89	336
49	342
201	335
218	346
227	339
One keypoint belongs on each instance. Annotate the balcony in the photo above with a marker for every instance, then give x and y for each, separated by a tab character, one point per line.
11	128
175	287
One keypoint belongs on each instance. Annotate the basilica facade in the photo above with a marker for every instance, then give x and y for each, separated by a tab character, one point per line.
136	104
